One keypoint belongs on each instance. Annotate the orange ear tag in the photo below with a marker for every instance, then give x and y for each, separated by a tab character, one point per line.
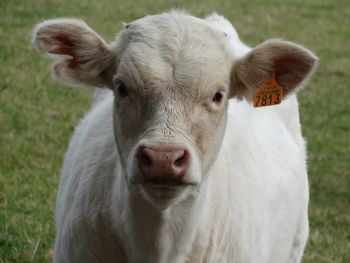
268	93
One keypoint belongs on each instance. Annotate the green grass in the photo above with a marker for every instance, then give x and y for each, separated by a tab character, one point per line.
37	115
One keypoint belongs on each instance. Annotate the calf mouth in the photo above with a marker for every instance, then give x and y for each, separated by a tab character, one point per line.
164	189
165	181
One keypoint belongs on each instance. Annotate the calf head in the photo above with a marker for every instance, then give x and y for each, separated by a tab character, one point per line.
172	76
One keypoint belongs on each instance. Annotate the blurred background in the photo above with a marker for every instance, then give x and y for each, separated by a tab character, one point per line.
38	115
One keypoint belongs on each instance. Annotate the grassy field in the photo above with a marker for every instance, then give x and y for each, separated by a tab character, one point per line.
37	115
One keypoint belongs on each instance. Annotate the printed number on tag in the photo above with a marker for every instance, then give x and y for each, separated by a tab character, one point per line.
268	93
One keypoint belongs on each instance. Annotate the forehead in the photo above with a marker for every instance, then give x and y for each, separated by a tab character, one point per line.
175	49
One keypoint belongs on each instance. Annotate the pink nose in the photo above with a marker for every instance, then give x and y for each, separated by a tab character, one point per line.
163	165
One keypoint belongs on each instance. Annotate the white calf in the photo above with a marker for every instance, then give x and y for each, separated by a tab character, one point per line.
178	166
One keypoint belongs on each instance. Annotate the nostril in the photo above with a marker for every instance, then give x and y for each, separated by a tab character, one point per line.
182	160
144	159
179	162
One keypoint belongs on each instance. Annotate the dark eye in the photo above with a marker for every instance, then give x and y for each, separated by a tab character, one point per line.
122	91
218	97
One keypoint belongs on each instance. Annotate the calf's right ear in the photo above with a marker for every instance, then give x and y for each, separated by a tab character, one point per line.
81	56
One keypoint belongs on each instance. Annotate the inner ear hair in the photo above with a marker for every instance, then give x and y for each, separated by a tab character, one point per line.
81	56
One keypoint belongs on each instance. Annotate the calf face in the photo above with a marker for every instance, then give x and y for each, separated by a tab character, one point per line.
172	76
171	90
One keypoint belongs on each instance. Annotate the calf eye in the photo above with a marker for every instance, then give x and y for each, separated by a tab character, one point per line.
218	97
122	91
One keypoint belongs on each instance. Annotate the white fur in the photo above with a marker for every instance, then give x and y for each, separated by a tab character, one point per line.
251	208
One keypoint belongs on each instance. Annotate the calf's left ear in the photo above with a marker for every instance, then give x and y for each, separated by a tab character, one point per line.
290	64
81	56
